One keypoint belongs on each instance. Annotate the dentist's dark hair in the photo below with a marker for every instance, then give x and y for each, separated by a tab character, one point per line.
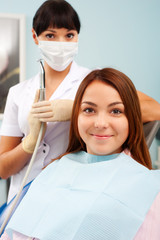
56	14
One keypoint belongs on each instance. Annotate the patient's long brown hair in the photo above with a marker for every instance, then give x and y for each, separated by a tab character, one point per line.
124	86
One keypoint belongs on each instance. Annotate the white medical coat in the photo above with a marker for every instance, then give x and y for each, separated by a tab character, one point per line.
55	142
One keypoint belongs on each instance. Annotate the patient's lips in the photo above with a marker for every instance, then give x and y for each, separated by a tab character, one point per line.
102	136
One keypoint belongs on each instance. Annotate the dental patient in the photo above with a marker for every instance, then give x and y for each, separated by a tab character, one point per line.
103	187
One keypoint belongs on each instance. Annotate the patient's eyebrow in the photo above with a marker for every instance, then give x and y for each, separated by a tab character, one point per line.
95	105
115	103
89	103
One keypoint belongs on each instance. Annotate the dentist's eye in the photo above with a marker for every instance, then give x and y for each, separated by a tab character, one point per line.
70	35
50	36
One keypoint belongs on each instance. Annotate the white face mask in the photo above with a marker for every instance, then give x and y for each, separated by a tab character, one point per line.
58	55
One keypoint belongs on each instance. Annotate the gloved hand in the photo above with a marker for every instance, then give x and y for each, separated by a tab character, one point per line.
58	110
30	140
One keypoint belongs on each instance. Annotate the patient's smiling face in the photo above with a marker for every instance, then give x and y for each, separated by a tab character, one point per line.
102	122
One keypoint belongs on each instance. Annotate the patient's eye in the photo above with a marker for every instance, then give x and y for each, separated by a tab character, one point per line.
88	110
116	111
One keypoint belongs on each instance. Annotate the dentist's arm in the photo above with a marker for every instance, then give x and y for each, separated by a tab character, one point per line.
150	108
14	154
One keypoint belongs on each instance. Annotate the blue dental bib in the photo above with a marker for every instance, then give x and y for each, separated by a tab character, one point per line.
87	197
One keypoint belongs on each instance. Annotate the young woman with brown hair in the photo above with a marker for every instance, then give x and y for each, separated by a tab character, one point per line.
135	142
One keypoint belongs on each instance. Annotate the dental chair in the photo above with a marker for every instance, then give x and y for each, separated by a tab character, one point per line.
150	131
158	135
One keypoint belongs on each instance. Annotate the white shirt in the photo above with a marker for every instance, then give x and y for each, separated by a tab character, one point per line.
18	105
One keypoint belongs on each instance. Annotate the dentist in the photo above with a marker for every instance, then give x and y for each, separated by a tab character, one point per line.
56	26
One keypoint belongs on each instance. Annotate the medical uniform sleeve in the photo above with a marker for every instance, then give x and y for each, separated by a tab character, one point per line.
10	126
